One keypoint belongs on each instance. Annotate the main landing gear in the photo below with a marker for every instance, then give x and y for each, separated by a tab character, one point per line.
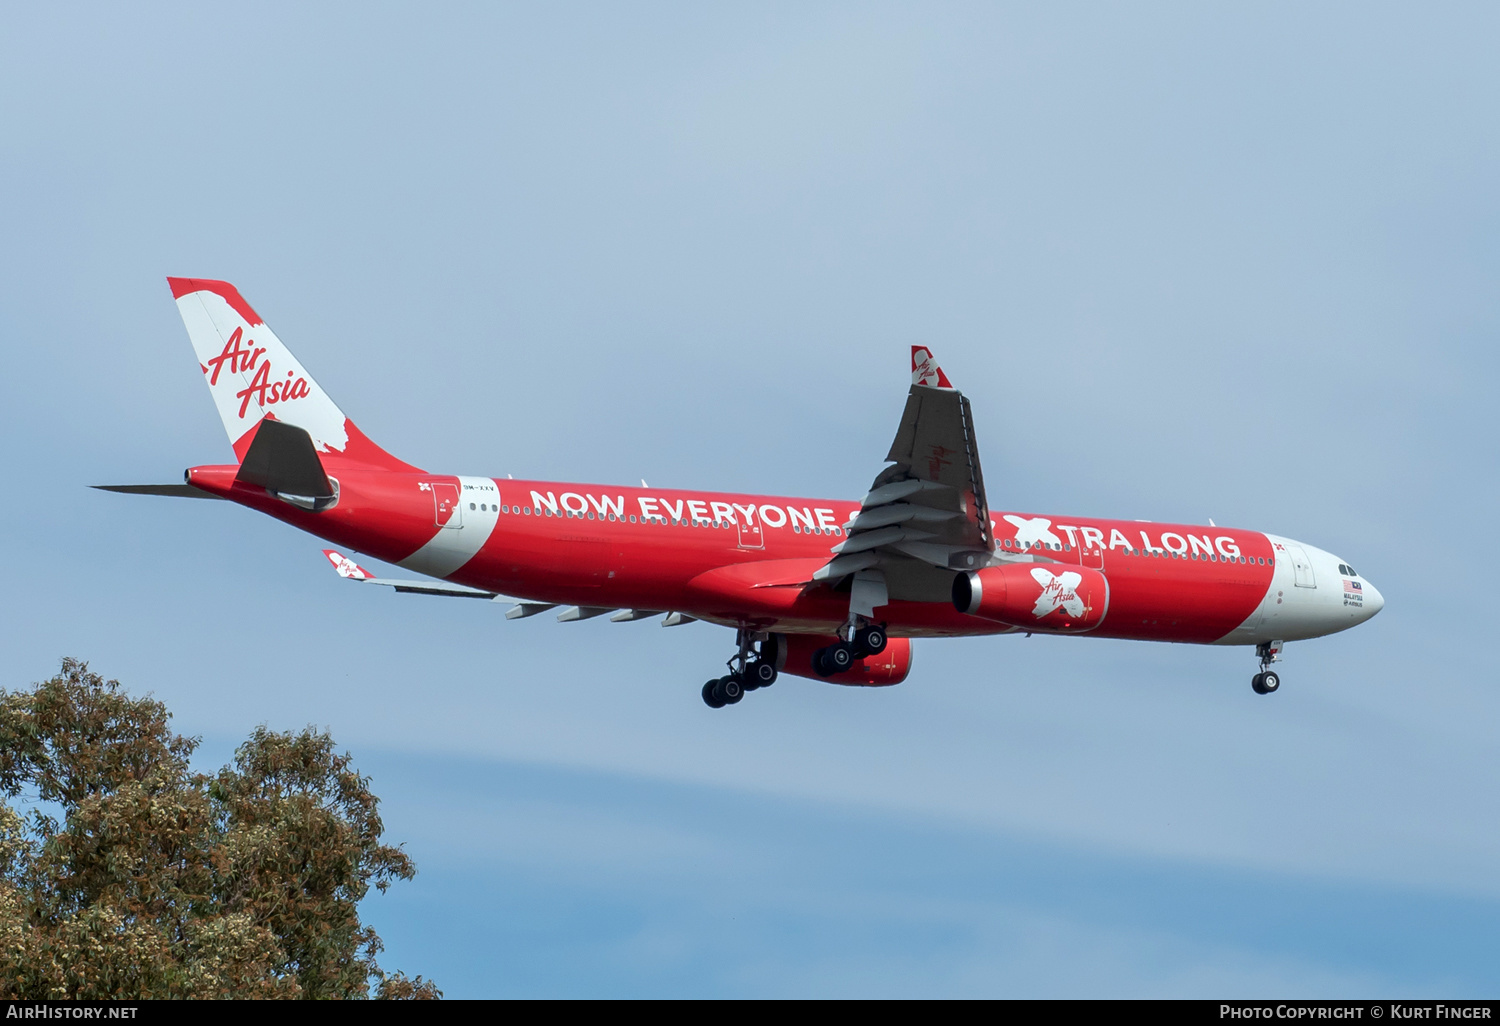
864	639
1267	680
754	666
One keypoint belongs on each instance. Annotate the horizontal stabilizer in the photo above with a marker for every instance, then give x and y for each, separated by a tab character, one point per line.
180	491
282	459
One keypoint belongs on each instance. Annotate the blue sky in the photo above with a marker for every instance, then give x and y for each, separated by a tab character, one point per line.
1234	262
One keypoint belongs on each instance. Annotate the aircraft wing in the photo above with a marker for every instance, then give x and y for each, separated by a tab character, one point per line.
926	515
352	571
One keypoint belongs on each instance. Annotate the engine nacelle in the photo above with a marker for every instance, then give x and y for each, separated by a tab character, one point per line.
794	654
1035	596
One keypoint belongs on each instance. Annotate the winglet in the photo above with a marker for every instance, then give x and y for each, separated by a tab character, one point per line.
925	369
346	567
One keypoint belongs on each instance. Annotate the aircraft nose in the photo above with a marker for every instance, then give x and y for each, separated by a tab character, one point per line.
1374	601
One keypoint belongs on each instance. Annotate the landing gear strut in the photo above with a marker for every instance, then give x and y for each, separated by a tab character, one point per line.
1267	680
753	667
857	640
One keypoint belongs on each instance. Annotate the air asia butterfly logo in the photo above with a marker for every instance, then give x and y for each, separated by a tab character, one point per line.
240	356
1059	592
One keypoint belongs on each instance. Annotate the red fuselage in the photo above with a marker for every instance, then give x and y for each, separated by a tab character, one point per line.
745	560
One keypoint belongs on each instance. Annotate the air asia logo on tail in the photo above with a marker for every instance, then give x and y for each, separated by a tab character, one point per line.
248	370
241	359
1060	592
925	369
347	567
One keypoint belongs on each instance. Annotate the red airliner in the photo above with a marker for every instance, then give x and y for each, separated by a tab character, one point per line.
821	588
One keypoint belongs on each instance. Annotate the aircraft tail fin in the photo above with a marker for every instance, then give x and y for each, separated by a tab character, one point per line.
254	377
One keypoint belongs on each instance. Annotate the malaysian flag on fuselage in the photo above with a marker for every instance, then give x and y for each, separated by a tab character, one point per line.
1353	588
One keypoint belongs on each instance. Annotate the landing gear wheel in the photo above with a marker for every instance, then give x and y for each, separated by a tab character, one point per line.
1257	683
711	696
870	640
763	674
730	689
1269	682
838	658
818	665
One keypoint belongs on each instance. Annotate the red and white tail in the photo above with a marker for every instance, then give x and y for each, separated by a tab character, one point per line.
925	369
253	376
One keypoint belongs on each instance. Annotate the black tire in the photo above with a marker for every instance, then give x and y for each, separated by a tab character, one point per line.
764	674
1257	683
818	665
711	695
838	658
731	689
870	640
1269	682
770	649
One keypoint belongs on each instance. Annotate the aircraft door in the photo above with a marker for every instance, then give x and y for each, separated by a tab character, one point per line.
1302	570
752	536
1091	555
447	510
1090	548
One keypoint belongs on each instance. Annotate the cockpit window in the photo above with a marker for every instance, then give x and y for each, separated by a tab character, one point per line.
1352	572
1347	570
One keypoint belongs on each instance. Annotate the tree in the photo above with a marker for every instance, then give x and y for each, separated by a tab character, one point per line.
134	877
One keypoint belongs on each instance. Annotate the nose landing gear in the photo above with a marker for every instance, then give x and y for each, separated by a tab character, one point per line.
1267	680
753	667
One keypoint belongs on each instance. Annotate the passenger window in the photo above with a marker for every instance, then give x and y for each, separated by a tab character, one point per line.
471	505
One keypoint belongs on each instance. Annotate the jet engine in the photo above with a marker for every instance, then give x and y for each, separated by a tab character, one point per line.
794	654
1035	596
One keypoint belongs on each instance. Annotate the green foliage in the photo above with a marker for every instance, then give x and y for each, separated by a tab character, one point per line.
158	882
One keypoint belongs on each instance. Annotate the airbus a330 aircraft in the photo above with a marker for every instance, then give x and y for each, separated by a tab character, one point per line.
820	588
